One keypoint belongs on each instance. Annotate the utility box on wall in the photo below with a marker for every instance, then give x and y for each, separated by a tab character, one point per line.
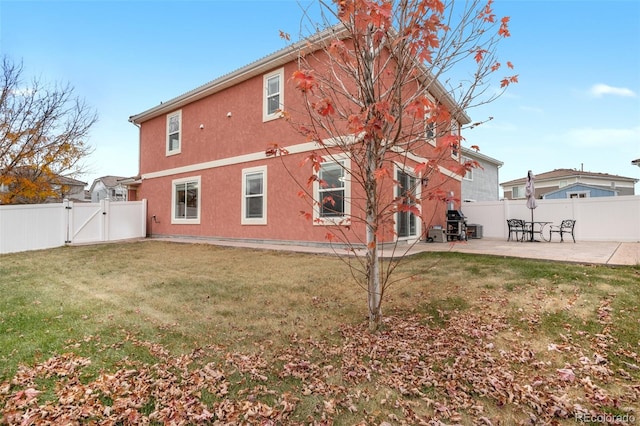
436	235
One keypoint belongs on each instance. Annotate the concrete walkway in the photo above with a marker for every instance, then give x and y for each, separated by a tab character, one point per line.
588	252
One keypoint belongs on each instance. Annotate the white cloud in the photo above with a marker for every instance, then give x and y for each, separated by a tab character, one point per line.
589	137
599	90
532	109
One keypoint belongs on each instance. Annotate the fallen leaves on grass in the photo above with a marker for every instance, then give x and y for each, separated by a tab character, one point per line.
417	373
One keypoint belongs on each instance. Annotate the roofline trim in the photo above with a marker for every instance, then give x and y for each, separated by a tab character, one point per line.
270	62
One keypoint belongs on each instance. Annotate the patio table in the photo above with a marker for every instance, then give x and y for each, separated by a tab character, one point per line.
536	227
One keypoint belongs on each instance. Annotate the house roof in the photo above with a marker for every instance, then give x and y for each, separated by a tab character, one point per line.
56	179
477	155
108	181
267	63
569	173
64	180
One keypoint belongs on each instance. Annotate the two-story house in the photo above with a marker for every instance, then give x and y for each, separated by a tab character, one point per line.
482	182
571	183
204	170
111	187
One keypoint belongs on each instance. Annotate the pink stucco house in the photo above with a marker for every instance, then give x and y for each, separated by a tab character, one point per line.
204	171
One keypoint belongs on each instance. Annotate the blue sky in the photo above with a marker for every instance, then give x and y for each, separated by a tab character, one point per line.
577	104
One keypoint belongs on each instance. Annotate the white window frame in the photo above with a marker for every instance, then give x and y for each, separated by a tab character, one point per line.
345	219
430	127
516	191
181	221
455	131
469	174
579	194
409	171
175	151
266	116
262	170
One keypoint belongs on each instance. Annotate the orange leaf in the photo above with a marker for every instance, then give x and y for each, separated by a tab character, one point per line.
382	173
304	80
324	107
274	150
285	36
504	27
479	54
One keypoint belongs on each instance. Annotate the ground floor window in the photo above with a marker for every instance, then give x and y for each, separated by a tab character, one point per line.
331	191
254	196
406	190
186	201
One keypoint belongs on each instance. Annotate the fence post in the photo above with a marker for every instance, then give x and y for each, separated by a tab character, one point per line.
143	212
67	206
506	215
104	220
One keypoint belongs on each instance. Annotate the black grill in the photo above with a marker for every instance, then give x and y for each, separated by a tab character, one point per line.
455	215
456	225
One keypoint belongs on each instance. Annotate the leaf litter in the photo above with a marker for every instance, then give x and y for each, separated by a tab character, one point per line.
463	371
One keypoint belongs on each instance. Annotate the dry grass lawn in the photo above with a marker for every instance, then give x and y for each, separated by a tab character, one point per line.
168	333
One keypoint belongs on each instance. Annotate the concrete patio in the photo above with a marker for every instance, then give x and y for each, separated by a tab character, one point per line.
588	252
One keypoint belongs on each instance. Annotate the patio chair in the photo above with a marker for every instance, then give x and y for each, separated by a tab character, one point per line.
516	229
565	227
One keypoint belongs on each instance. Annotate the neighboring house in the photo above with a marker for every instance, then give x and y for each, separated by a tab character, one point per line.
636	162
204	171
70	189
580	190
111	187
481	183
570	183
62	186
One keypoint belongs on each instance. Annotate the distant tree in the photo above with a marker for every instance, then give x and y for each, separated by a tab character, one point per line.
43	136
375	91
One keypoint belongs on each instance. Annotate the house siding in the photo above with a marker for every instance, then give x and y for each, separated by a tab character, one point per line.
591	191
216	147
484	186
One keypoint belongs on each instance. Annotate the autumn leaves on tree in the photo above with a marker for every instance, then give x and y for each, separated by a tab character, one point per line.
386	86
43	137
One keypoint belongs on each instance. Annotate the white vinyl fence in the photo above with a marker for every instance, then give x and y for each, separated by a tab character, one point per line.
40	226
597	218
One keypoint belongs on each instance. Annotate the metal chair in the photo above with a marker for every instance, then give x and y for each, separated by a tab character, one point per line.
565	227
517	229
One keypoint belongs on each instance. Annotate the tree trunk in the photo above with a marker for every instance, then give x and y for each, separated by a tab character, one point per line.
373	267
373	276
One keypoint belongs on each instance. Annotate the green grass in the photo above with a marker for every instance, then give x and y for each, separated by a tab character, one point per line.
288	332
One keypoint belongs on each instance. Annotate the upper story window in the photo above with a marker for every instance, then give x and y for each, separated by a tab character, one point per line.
430	127
517	192
455	143
469	174
578	194
174	131
273	94
254	196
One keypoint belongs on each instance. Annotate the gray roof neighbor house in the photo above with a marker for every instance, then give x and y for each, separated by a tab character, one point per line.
571	183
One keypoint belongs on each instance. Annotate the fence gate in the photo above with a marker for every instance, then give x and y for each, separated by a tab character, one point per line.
86	222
